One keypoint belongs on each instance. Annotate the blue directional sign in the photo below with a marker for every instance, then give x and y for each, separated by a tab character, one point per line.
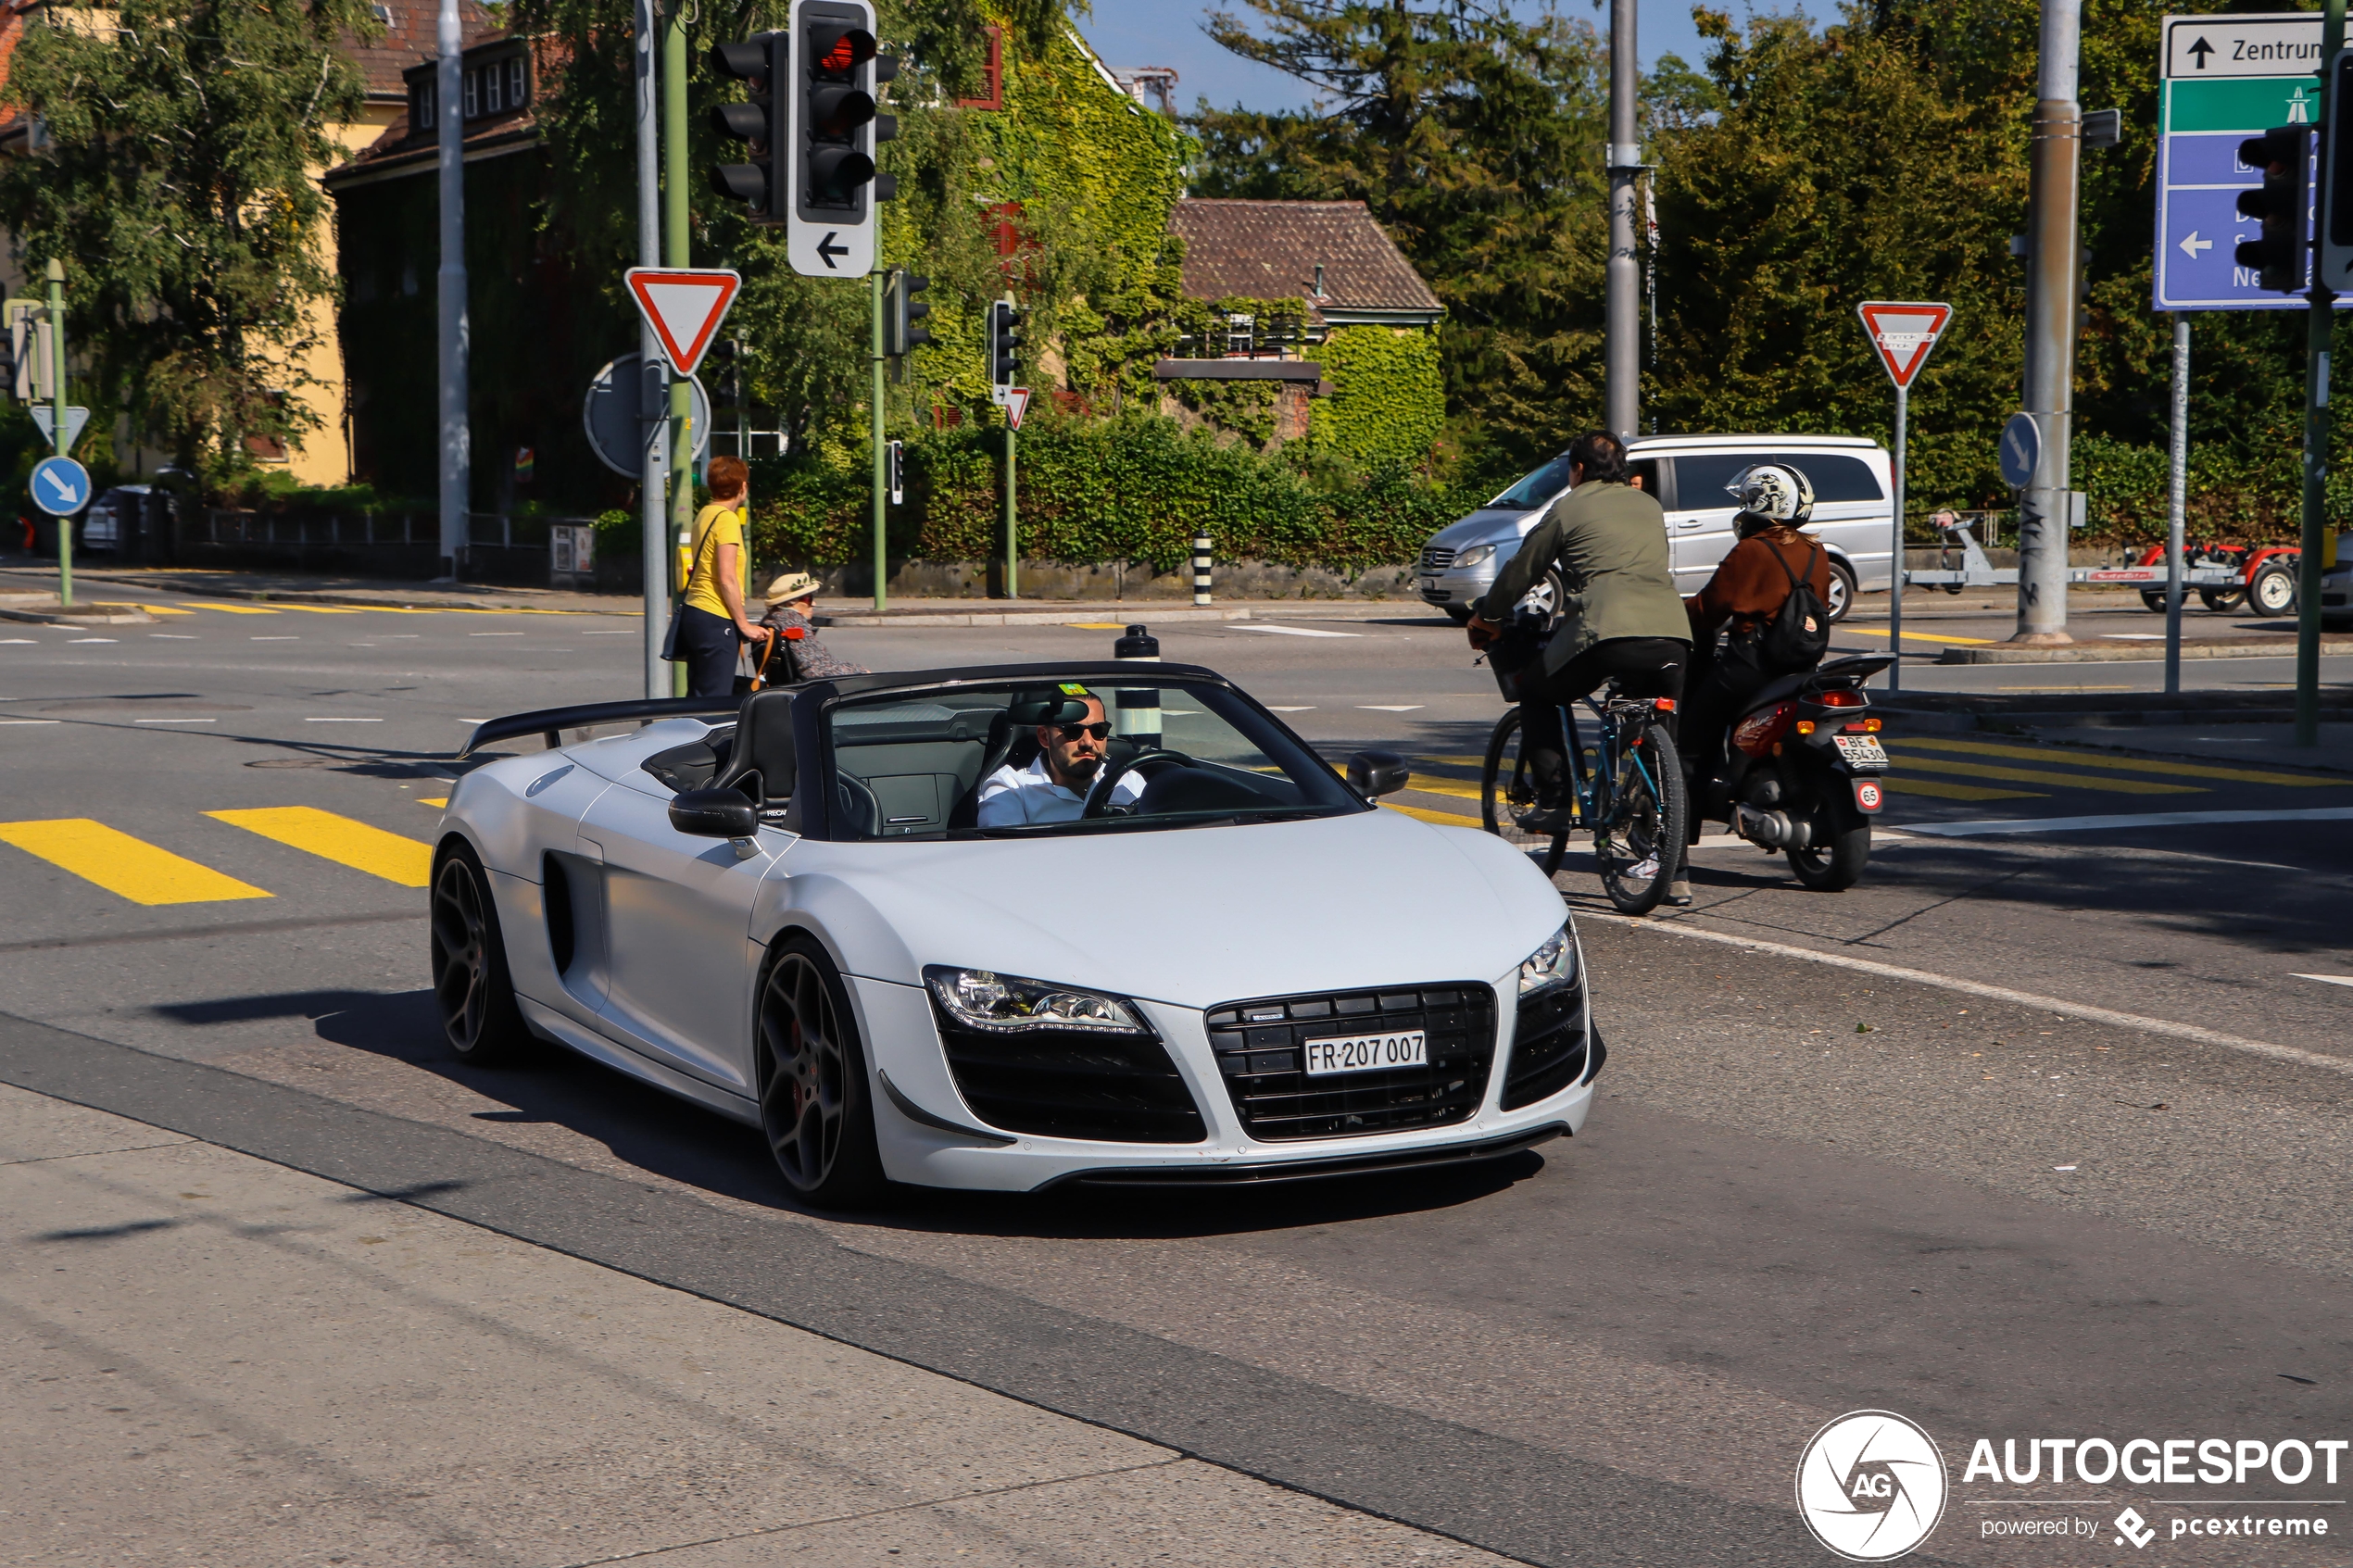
2226	78
60	487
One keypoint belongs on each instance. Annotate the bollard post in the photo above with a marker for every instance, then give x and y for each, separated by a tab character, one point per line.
1136	714
1200	574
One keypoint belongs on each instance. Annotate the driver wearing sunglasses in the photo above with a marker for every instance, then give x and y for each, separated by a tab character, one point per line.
1054	787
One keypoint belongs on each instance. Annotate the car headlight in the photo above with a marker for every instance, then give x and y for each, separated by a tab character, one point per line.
981	998
1550	966
1475	555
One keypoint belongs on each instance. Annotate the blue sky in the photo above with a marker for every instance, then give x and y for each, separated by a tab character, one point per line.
1168	32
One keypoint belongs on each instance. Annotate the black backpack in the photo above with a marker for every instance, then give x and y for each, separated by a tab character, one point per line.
1799	632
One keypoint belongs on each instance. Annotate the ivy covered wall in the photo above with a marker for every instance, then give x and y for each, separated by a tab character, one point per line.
1390	397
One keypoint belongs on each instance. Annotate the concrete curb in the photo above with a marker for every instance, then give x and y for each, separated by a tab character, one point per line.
1150	613
119	615
2107	653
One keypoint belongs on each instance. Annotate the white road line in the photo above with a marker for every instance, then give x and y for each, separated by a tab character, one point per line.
307	720
172	636
93	639
32	721
496	633
1992	993
175	721
624	633
1291	631
1310	708
2329	979
286	639
30	640
1390	708
2144	819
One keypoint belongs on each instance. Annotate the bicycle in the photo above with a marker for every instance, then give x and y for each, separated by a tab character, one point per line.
1631	796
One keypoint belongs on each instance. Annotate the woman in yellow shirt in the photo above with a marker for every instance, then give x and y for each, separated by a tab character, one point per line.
712	622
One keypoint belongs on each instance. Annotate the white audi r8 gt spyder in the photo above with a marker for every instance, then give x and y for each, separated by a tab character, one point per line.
791	913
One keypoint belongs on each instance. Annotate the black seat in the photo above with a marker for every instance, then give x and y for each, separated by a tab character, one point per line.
761	762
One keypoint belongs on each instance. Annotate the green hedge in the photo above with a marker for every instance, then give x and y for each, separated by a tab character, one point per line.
2228	501
1390	401
1134	488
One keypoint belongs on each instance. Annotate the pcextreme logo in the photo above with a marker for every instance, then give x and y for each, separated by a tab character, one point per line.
1870	1485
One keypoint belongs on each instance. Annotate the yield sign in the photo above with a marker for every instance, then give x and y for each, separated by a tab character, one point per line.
1903	333
1016	405
683	308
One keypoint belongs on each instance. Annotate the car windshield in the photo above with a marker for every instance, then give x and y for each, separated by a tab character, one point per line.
1048	758
1536	489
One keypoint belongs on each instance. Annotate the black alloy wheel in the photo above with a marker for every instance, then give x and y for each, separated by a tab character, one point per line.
470	984
814	1102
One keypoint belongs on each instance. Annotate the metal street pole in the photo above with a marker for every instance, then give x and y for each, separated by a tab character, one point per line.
56	274
675	238
882	478
2177	500
1013	526
1896	577
2054	272
457	438
2321	324
1622	391
652	497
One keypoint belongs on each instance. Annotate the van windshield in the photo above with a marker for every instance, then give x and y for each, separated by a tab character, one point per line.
1536	489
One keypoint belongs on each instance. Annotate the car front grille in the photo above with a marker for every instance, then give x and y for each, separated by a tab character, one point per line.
1548	1047
1437	557
1071	1083
1260	1052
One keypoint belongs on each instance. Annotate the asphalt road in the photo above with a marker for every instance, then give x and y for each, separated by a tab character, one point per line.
2030	1136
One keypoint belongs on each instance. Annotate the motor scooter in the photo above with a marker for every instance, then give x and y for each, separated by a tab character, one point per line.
1801	771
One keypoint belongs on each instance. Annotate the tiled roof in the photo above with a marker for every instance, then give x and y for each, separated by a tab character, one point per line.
411	33
1270	250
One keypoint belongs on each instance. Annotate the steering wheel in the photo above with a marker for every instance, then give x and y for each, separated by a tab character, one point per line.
1099	797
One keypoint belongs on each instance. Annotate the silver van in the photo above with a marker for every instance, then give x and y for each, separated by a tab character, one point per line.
1853	514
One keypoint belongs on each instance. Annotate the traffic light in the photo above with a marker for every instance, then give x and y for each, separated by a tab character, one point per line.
901	310
727	387
1004	342
2333	267
2284	154
759	121
833	128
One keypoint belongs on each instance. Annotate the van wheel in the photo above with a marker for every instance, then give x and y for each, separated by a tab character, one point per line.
1842	592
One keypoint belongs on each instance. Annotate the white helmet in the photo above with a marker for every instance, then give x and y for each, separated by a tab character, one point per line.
1775	491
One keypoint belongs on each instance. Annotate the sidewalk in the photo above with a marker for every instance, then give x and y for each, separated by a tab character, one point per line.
112	584
222	1362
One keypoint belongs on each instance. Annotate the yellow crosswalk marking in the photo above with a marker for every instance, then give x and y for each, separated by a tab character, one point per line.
1942	791
320	609
120	863
1425	783
1914	764
1918	637
230	610
1453	761
165	610
1443	819
435	801
2122	764
348	843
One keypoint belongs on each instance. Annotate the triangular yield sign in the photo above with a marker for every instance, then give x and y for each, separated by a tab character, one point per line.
684	307
1903	333
1016	405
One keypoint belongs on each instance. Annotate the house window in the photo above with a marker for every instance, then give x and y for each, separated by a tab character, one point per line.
420	106
494	89
471	107
515	82
1241	332
992	73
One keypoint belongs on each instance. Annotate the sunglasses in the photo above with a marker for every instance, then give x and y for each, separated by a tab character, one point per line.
1072	732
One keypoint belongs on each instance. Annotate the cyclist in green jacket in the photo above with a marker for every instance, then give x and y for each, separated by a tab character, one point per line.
1621	614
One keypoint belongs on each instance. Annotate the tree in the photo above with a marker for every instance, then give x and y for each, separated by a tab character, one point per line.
175	180
1475	137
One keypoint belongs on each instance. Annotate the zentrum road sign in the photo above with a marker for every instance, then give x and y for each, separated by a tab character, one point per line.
684	307
2226	78
1903	333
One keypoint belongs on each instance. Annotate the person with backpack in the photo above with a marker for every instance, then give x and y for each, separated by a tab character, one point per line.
1773	590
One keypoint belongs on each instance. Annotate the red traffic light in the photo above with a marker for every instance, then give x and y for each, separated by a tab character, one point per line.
836	50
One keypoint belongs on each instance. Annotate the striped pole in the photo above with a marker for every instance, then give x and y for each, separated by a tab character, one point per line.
1201	569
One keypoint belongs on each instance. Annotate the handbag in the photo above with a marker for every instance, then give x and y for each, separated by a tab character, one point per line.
678	603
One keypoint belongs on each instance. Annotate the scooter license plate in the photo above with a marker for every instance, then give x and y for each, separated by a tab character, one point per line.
1861	751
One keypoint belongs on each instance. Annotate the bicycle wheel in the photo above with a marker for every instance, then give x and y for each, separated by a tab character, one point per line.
1638	846
1507	789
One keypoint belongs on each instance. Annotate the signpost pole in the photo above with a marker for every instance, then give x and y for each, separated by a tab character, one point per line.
1895	563
2322	318
2177	503
58	433
882	477
653	500
675	245
1012	524
2054	268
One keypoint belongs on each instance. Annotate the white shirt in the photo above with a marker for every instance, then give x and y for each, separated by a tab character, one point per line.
1011	797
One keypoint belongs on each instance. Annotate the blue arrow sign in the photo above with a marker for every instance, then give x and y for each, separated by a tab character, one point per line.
60	487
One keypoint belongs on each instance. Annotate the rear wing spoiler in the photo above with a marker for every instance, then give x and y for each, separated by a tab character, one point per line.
553	721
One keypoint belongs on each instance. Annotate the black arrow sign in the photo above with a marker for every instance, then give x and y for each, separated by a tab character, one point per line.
2199	50
827	250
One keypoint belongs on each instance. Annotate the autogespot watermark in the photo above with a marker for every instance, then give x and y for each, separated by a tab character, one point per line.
1871	1486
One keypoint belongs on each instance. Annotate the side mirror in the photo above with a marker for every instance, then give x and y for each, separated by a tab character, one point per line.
1373	773
714	813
